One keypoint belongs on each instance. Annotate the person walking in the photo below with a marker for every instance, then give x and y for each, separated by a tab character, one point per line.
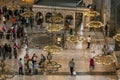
20	67
104	49
91	63
88	41
71	65
42	60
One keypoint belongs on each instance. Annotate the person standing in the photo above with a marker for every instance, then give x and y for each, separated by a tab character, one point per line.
71	31
34	58
30	64
26	60
110	50
49	57
106	29
35	67
104	49
20	67
15	50
9	51
3	52
42	60
71	65
6	50
88	41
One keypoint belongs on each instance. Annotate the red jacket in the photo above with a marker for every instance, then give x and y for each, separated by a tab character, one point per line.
91	62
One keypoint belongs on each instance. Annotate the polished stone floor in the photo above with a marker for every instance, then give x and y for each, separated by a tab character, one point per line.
76	51
64	77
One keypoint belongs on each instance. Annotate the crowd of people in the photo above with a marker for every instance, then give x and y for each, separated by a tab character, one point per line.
31	64
12	30
16	31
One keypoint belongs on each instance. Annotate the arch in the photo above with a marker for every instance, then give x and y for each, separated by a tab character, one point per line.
39	18
60	15
69	19
47	16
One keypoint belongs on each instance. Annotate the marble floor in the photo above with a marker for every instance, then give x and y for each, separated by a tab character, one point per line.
78	52
64	77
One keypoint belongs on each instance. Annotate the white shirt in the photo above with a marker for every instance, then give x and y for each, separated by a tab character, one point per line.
88	39
4	19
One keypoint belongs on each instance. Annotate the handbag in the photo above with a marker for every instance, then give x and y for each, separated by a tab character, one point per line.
74	73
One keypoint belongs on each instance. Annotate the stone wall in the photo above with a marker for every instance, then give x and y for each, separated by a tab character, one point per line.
110	10
115	21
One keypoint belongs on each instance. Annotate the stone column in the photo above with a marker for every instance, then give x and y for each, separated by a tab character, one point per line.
74	20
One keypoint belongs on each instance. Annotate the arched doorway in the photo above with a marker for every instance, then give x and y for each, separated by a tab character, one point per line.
60	18
69	19
47	17
39	18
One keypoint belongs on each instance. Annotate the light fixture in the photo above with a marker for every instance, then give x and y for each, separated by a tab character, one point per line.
92	13
27	14
27	1
104	59
54	27
117	37
95	24
49	65
75	38
13	6
56	17
52	49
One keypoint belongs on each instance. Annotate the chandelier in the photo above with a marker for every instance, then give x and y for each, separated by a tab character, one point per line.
14	7
92	13
54	28
117	37
27	14
104	59
75	38
52	49
95	24
55	18
24	2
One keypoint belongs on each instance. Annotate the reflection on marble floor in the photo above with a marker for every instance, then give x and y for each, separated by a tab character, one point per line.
78	52
50	77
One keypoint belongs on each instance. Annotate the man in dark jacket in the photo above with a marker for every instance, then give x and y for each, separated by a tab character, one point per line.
71	65
9	51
